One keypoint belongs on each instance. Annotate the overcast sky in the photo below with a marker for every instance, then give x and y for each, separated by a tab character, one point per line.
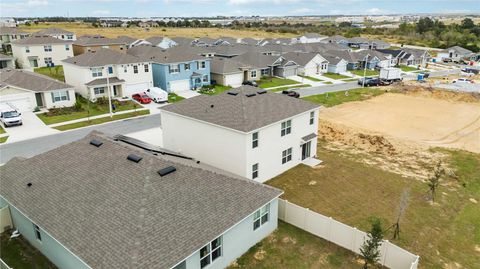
160	8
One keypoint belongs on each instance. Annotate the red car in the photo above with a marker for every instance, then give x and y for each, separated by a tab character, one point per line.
142	98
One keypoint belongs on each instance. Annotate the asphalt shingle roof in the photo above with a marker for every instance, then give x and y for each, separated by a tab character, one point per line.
40	40
115	213
220	65
53	31
97	40
12	31
165	56
301	58
240	112
102	57
30	81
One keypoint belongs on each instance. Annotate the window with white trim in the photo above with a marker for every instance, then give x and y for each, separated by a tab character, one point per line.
67	47
265	72
255	140
38	234
286	127
59	96
48	61
211	252
97	72
261	216
69	36
27	49
187	66
47	48
312	117
125	69
135	69
286	155
253	73
201	65
145	68
98	90
255	171
174	68
205	78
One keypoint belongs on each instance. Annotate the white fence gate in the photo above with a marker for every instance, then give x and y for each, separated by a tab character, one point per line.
343	235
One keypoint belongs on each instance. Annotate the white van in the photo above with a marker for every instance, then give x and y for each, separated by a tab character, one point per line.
9	115
157	95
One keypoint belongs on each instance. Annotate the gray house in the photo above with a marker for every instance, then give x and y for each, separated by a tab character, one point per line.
101	203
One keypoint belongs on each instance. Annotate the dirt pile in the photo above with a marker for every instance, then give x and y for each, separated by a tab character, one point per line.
429	91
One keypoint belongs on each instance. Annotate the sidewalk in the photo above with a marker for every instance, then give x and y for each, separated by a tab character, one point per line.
95	117
283	86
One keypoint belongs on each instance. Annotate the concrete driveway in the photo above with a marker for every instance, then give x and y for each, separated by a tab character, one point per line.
32	127
187	94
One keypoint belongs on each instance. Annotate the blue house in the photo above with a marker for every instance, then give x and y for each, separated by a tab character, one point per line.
175	69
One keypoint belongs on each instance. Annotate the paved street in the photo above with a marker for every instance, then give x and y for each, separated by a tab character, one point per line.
327	88
32	147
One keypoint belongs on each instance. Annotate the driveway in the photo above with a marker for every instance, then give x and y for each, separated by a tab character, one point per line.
327	88
306	81
32	127
187	94
154	107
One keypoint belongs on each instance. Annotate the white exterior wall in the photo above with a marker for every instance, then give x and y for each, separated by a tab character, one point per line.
23	100
313	66
57	54
238	240
48	101
77	76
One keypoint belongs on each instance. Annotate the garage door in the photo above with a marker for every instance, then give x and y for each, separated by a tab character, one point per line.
288	72
22	104
234	80
135	88
179	85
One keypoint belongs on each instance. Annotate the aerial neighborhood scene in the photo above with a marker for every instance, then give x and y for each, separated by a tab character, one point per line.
233	134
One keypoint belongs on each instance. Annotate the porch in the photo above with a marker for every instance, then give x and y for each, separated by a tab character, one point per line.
99	88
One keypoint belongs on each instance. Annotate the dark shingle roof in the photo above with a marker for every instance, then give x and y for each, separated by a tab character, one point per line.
40	40
102	57
301	58
114	213
240	112
12	31
53	31
97	40
30	80
220	65
165	56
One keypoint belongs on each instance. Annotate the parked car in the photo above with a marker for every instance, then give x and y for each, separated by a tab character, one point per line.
251	83
447	60
157	95
291	93
142	98
463	80
369	82
9	116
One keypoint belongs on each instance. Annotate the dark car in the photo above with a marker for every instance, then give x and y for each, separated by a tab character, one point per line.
251	83
142	98
369	82
291	93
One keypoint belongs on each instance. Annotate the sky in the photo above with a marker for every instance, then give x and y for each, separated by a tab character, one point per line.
198	8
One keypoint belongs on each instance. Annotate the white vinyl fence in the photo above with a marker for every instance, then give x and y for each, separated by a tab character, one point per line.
343	235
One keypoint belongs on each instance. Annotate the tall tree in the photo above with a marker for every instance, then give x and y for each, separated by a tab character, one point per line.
370	250
467	23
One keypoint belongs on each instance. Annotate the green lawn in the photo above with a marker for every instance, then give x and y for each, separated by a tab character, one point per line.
445	235
173	98
102	120
275	82
334	76
95	108
291	247
53	72
311	78
336	98
290	87
2	131
406	68
3	139
214	89
369	73
19	254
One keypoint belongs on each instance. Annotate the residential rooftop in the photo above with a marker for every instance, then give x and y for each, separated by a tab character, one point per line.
30	80
102	57
53	31
40	40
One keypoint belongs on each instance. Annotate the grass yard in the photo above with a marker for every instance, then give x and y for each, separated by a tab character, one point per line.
19	254
334	76
311	78
445	234
275	82
336	98
53	72
290	87
173	98
291	247
2	131
214	89
97	108
369	73
406	68
102	120
3	139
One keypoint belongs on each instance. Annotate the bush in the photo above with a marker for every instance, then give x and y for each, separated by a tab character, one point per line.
56	111
102	100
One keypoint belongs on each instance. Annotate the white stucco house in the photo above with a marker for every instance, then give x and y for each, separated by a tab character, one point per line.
311	38
41	51
336	64
456	53
26	90
90	73
309	63
57	33
246	131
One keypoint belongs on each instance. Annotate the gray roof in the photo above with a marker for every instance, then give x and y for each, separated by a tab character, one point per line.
459	50
301	58
30	80
240	112
256	59
164	56
126	39
102	57
12	31
220	65
103	81
155	40
230	50
309	137
312	35
115	213
182	40
40	40
53	31
97	40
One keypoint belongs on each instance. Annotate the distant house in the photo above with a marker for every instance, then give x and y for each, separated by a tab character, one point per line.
161	42
57	33
230	72
101	203
41	51
311	38
183	41
336	64
308	63
93	73
229	51
91	43
9	34
337	39
349	57
268	132
373	59
6	61
359	42
26	90
175	69
456	53
412	57
269	65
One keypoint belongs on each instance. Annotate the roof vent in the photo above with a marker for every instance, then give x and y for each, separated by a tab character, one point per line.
29	184
167	170
134	158
212	106
232	93
250	94
262	92
96	143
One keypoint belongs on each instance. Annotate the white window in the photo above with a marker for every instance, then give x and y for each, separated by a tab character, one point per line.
67	47
286	155
27	49
99	90
125	69
47	48
255	140
48	61
265	72
211	252
253	73
201	64
135	69
174	68
255	171
286	127
312	117
261	217
145	68
187	66
69	36
105	47
97	72
60	96
38	235
205	78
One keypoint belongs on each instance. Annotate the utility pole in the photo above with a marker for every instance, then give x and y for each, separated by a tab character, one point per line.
364	71
109	92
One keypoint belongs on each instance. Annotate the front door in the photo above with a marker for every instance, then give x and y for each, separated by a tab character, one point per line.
115	92
33	63
39	98
306	150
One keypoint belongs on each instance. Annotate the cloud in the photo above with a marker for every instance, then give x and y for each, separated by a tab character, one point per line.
11	8
36	3
101	12
302	11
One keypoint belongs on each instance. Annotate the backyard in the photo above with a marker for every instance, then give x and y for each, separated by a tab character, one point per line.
19	254
53	72
214	89
173	98
269	82
336	98
368	72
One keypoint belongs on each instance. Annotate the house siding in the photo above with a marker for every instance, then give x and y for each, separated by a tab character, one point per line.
162	76
57	54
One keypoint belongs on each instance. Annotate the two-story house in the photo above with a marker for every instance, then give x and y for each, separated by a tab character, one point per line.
94	72
95	42
311	38
247	131
41	51
57	33
175	69
9	34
